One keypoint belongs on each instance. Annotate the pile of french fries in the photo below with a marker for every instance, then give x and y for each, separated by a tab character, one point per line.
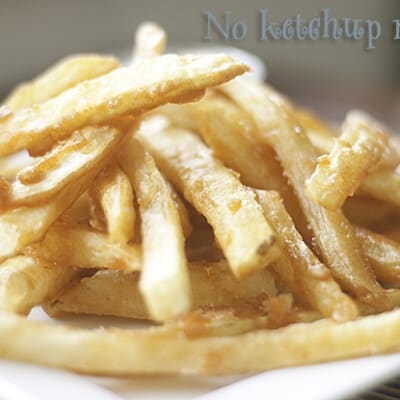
247	232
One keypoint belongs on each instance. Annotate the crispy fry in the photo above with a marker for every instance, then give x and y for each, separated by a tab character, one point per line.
81	247
334	235
169	350
65	74
164	281
381	184
382	253
339	174
112	190
230	208
229	131
24	225
129	90
70	159
26	281
150	41
311	279
213	285
182	210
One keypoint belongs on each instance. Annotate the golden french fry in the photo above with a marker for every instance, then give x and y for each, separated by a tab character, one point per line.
213	285
150	41
216	192
229	131
168	350
24	225
60	77
339	174
382	253
334	235
130	90
164	280
70	159
26	281
311	279
381	183
182	210
112	190
82	247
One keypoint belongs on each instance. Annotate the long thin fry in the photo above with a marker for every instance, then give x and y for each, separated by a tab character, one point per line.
229	131
381	184
129	90
168	350
116	293
82	247
313	279
382	253
150	41
182	210
60	77
339	174
164	281
26	281
230	208
24	225
334	235
74	157
113	192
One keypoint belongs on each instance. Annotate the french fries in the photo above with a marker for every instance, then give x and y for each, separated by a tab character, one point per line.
339	174
334	235
168	350
113	193
231	209
229	132
70	159
213	285
164	281
311	279
92	222
26	281
62	76
129	90
78	246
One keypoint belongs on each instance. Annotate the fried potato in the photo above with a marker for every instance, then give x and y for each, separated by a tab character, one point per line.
130	90
215	191
79	246
381	183
382	253
26	281
311	279
70	159
113	192
168	350
334	235
65	74
182	210
339	174
150	41
116	293
164	281
230	132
